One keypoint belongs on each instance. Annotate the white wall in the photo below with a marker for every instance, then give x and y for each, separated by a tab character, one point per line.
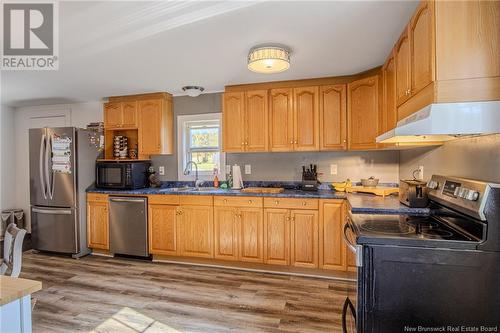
7	164
77	115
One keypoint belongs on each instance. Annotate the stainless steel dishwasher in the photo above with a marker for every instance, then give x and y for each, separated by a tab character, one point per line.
128	226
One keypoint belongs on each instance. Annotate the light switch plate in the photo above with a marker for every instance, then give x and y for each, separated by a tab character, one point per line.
161	170
248	169
333	169
228	169
421	172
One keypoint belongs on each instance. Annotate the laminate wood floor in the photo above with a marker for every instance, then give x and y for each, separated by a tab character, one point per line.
99	294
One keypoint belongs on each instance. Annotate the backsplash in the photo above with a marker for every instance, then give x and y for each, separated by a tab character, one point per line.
475	158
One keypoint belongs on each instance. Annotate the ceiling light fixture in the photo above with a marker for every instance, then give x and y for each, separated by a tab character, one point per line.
268	59
193	91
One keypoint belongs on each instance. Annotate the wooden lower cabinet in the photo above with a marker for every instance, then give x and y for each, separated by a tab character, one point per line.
226	233
277	236
332	249
251	235
196	229
162	229
97	222
304	238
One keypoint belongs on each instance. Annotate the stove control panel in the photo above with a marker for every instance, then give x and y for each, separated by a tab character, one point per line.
465	195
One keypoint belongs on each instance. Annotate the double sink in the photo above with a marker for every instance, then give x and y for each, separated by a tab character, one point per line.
188	189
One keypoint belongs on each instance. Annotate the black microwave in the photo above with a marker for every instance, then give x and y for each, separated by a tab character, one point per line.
122	175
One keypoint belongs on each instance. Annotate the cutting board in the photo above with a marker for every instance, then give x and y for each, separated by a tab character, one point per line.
379	190
263	190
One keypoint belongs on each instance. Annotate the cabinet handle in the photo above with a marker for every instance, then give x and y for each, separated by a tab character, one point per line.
291	142
276	202
288	218
250	201
304	203
243	143
344	141
296	141
225	200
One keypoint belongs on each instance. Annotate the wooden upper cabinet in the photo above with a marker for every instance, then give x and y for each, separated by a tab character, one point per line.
390	113
150	118
196	229
332	248
226	233
422	41
162	229
402	61
97	225
129	114
112	115
306	118
251	234
281	133
363	113
233	119
256	121
304	238
333	117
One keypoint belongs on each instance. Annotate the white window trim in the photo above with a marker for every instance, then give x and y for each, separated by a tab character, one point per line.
181	147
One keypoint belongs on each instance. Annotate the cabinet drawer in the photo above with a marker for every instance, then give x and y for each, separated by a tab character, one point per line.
196	200
97	197
160	199
291	203
238	201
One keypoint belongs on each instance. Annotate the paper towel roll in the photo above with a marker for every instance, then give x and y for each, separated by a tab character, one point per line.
237	179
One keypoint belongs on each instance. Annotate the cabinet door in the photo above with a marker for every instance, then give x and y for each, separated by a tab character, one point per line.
251	234
256	121
162	229
150	118
277	236
333	117
390	115
112	115
281	120
422	46
402	58
306	118
97	225
304	238
233	119
129	114
196	227
331	243
363	113
226	233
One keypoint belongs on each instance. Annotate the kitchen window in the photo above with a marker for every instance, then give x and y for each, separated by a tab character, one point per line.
199	140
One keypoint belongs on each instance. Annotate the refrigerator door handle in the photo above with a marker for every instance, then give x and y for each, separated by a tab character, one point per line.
40	166
48	173
52	211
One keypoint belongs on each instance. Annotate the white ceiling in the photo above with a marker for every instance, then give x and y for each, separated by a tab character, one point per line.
116	48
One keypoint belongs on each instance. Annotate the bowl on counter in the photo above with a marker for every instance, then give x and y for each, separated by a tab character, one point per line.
369	182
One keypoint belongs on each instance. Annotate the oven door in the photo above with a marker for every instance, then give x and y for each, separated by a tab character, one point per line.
110	175
349	323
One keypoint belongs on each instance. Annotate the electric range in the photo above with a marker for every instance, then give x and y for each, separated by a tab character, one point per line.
433	271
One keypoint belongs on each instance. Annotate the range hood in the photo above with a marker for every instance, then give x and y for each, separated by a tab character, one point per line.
440	122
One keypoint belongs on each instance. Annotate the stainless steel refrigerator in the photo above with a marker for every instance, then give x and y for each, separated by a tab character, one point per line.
62	166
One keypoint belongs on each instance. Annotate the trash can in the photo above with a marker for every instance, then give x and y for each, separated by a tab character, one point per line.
9	216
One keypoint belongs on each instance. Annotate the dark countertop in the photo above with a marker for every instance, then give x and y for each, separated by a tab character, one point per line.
359	203
371	204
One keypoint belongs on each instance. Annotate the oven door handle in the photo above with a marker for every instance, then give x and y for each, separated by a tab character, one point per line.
355	248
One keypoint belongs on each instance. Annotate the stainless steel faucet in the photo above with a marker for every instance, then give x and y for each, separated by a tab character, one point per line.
197	182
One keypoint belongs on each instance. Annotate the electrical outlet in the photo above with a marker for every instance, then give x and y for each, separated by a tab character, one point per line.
333	169
228	169
248	169
161	170
421	172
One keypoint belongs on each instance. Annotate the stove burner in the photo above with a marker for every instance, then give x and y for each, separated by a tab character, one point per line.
387	227
436	233
422	222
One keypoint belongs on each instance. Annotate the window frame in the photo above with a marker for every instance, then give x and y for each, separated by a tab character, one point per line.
183	122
